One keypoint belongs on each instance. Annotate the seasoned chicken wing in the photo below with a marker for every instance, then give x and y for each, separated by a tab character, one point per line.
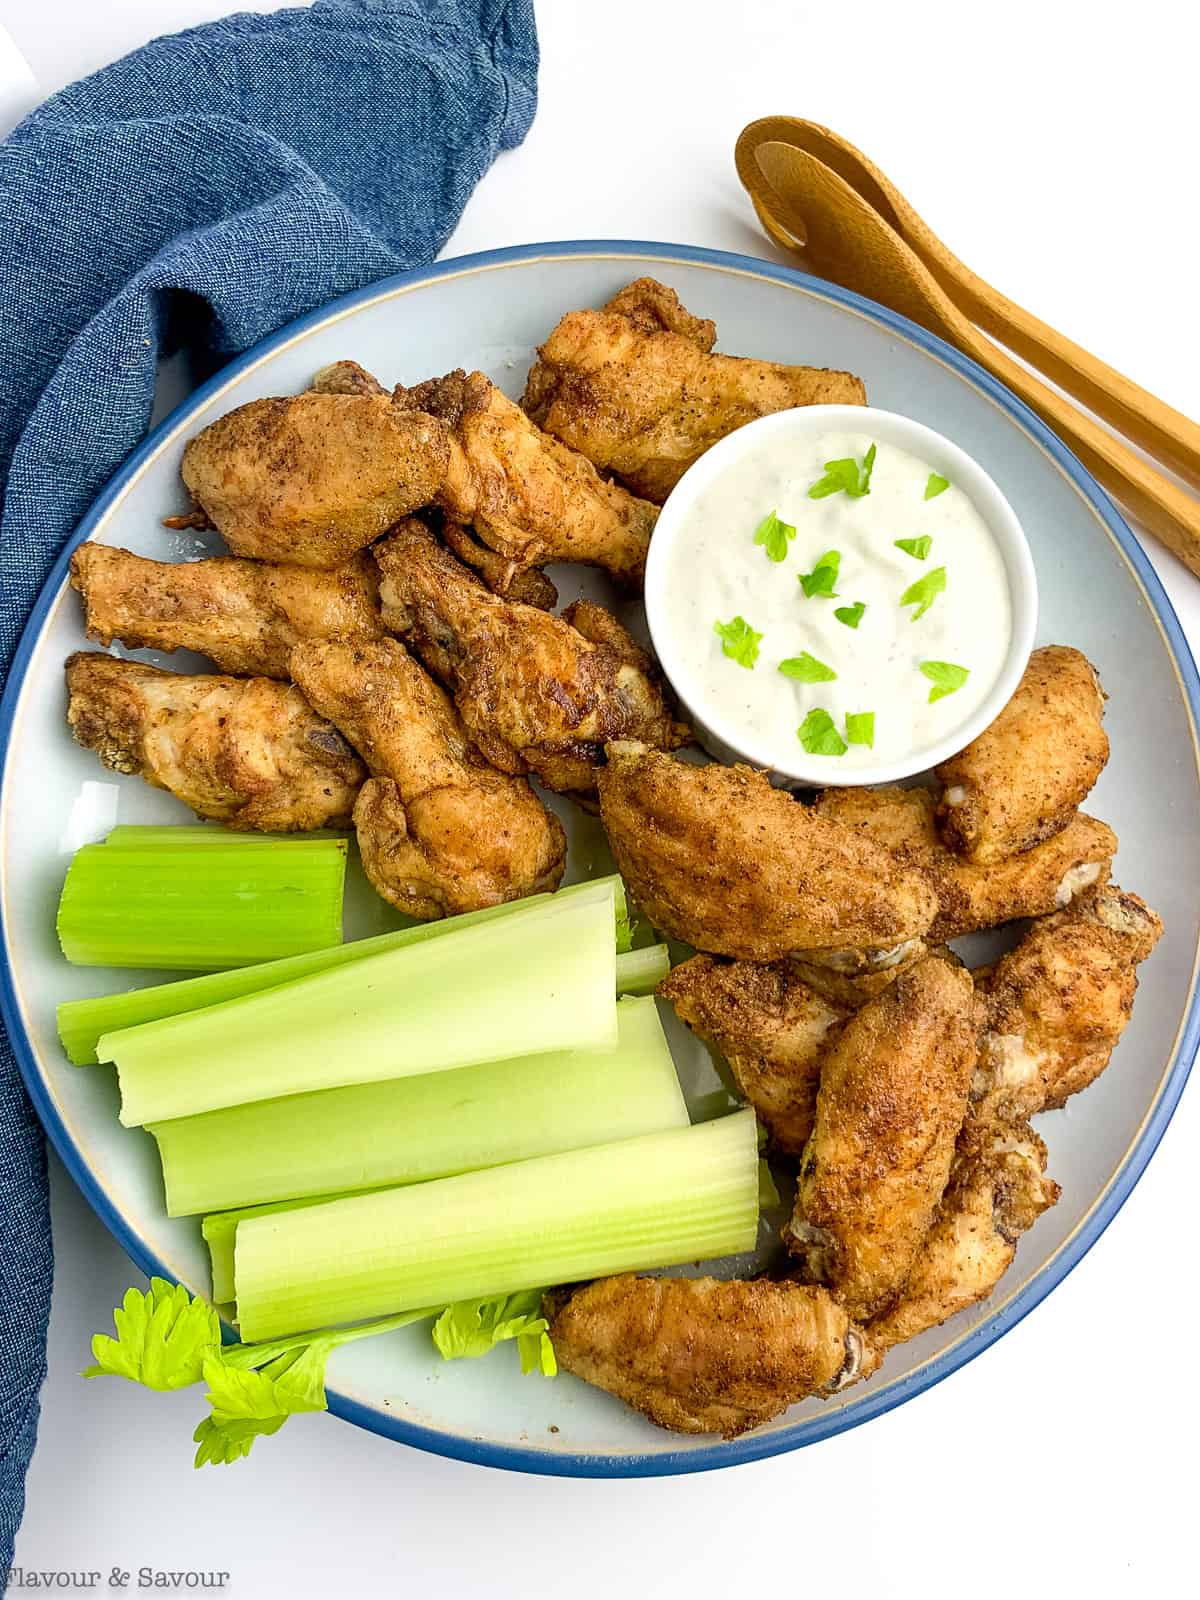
893	1097
527	496
703	1355
249	752
970	895
718	858
637	389
1057	1004
244	615
536	692
439	830
1020	781
771	1028
529	585
313	478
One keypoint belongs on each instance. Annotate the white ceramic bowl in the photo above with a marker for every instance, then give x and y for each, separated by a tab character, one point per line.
666	568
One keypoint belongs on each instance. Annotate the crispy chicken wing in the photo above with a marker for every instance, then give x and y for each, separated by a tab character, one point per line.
439	830
1020	781
249	752
313	478
972	896
770	1027
718	858
1058	1003
637	389
244	615
529	585
703	1355
893	1097
535	692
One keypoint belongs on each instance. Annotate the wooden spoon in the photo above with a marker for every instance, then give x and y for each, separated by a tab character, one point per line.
853	226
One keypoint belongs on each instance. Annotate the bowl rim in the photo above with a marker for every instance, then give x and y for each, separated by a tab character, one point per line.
871	1403
938	451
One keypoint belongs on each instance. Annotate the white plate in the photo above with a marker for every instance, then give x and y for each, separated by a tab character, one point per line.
1097	592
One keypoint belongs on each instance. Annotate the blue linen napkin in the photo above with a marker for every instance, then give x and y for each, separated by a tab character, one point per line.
202	192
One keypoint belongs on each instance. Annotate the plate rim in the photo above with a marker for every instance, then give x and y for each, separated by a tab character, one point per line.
852	1413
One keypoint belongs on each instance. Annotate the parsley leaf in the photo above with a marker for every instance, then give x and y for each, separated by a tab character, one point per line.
917	548
860	728
807	669
945	677
473	1327
163	1338
924	592
845	476
851	615
773	535
936	485
739	641
819	736
824	575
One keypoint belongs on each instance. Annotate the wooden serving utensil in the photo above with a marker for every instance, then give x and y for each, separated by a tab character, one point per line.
817	195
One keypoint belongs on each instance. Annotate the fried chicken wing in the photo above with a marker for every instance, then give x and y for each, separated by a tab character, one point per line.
529	585
244	615
637	389
313	478
718	858
439	830
1057	1004
249	752
526	495
892	1099
1020	781
536	694
970	895
703	1355
771	1028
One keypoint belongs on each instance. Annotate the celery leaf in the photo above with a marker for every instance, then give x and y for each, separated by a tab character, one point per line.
163	1338
471	1328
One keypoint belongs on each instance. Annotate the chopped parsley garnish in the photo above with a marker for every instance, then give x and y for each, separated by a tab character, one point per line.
924	592
773	535
807	669
936	485
917	548
819	736
851	615
739	641
945	678
860	728
846	476
820	581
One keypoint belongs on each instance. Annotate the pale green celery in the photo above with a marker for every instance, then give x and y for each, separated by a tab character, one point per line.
641	971
175	907
219	1229
654	1201
139	836
81	1023
541	979
409	1130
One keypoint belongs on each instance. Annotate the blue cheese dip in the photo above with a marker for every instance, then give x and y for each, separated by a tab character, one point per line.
834	601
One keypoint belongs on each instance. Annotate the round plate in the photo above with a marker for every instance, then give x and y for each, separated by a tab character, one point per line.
1097	592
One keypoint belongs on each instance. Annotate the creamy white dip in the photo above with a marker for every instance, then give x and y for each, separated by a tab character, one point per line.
722	576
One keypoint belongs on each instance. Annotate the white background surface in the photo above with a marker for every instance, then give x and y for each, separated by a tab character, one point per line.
1052	145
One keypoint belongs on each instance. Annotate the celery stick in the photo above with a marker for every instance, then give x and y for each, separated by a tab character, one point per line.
82	1022
408	1130
219	1230
138	836
655	1201
641	971
541	979
175	907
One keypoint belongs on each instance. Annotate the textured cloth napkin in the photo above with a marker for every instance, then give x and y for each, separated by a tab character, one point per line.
202	192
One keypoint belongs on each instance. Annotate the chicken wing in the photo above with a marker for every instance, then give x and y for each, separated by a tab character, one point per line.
244	615
439	830
248	752
313	478
1057	1004
529	585
636	387
972	896
770	1027
1020	781
536	693
893	1097
704	1355
718	858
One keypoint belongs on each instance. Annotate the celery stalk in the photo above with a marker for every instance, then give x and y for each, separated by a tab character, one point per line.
219	1230
140	836
654	1201
408	1130
641	971
541	979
